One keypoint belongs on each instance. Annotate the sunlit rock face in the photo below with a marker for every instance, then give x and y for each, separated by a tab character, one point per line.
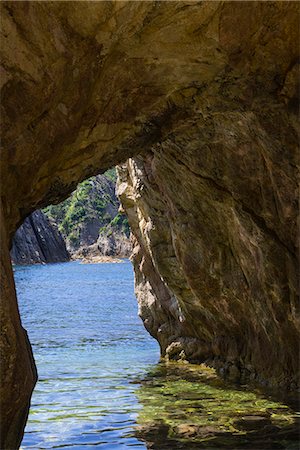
206	93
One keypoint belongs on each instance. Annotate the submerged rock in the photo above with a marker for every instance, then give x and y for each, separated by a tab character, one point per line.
188	407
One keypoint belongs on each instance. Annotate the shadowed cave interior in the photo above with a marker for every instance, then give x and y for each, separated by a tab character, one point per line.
196	102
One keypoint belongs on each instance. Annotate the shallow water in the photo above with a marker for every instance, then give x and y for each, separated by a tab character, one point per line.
101	386
190	407
88	344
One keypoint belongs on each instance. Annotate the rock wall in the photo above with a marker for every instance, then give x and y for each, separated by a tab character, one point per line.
206	94
38	241
18	373
215	266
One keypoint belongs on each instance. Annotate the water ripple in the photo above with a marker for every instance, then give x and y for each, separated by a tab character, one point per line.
89	344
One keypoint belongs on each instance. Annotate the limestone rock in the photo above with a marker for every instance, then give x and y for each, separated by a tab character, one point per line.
215	256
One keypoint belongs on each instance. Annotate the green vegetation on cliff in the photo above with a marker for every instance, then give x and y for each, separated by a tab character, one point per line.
92	209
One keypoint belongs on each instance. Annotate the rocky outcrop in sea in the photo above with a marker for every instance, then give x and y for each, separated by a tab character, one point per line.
38	240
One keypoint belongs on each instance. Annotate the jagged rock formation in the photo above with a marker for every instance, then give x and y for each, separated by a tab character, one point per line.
38	241
206	93
114	243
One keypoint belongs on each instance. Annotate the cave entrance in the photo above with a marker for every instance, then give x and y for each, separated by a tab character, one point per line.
89	225
82	320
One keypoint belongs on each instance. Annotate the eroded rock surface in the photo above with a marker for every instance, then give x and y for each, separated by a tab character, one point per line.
215	278
206	93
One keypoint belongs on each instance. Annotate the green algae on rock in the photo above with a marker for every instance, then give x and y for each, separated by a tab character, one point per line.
191	407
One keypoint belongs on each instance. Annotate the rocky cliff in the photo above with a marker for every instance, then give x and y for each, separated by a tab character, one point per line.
202	96
38	241
88	223
90	220
215	279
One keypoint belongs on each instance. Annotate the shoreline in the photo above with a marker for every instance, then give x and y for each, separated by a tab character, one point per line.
81	260
98	259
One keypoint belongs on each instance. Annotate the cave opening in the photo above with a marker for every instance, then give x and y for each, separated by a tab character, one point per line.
202	96
100	384
89	225
82	320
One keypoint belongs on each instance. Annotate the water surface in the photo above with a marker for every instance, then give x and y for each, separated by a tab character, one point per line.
89	343
101	386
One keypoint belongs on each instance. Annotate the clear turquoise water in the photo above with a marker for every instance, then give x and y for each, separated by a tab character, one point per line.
101	386
89	344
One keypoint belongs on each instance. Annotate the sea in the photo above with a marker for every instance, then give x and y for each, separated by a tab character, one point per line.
101	384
